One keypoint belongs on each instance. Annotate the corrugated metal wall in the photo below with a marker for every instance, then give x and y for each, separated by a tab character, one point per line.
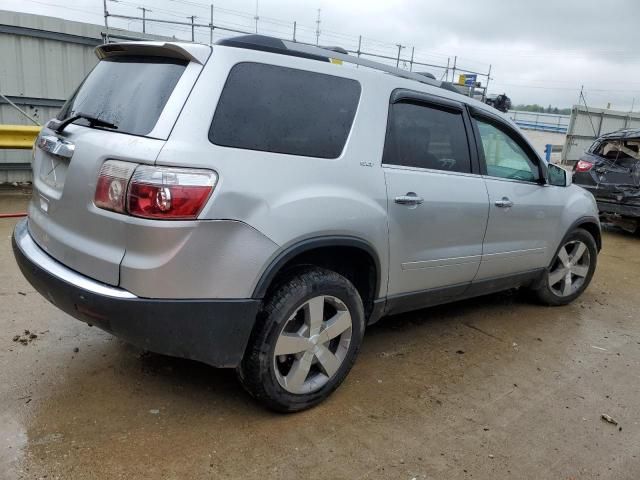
43	61
587	124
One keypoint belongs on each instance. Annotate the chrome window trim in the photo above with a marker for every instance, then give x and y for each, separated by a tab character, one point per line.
393	166
514	180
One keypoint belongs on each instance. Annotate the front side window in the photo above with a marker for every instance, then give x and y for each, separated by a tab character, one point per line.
504	157
129	92
285	110
426	137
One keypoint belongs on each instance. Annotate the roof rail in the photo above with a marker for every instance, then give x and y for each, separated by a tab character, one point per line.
285	47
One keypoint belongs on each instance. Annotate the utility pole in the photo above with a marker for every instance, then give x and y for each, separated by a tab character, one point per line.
446	72
400	47
193	28
106	22
453	72
144	18
486	86
256	17
411	62
295	26
211	27
580	97
318	28
359	46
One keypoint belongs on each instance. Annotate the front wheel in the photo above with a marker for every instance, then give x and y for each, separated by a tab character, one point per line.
305	342
570	271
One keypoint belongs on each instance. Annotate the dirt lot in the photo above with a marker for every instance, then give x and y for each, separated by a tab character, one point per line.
492	388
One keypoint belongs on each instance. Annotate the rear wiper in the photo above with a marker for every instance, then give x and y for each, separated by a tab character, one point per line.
60	125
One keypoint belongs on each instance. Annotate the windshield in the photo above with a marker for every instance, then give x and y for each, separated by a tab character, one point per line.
129	92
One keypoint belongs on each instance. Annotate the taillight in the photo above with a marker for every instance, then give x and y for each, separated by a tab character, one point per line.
111	191
583	166
153	192
169	193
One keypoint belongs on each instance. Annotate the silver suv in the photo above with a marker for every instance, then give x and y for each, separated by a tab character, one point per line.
258	203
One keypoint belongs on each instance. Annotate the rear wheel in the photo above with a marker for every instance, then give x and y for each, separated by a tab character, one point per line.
570	271
306	340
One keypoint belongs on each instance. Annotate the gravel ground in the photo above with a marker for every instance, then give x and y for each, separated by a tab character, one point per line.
490	388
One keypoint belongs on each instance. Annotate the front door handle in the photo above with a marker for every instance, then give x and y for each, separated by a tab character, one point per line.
410	198
504	203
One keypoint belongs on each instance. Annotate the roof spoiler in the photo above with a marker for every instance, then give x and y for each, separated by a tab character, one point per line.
190	52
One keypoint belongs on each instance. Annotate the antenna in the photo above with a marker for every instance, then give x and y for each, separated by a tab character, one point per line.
318	28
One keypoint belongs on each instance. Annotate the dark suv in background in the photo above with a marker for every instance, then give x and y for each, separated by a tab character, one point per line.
610	170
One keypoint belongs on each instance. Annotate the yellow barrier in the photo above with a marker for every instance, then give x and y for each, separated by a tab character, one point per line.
18	136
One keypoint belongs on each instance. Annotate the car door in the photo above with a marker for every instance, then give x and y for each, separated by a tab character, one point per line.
437	201
525	211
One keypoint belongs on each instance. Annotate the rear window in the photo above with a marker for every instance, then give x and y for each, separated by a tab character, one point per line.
128	91
618	149
426	136
284	110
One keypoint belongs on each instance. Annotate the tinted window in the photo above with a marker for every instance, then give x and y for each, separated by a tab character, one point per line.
425	137
129	92
284	110
504	157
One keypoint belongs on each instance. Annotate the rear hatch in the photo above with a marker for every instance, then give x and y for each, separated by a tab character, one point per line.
136	91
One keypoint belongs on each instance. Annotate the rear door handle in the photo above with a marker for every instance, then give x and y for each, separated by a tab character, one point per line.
410	198
504	203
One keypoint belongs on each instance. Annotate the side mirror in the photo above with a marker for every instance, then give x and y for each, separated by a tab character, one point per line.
558	176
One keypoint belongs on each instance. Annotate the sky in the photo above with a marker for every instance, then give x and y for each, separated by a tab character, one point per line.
540	51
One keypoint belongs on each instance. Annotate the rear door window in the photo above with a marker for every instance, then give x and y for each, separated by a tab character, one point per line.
128	91
427	137
285	110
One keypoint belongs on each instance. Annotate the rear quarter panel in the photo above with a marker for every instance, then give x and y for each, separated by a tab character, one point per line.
290	198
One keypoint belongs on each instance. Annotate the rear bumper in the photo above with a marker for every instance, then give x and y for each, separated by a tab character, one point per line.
622	209
215	332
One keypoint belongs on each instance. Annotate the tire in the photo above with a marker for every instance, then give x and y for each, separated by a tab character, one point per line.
553	289
291	312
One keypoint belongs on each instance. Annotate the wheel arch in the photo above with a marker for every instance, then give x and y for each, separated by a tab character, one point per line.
591	225
322	251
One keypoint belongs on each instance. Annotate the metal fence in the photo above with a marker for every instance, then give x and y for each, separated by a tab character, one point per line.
587	124
64	50
545	122
397	54
43	60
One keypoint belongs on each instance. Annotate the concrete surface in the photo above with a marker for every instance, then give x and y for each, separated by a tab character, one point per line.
492	388
539	140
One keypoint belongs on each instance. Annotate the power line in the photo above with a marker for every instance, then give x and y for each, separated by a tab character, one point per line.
564	88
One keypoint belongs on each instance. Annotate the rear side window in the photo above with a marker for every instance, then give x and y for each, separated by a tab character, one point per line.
284	110
427	137
128	91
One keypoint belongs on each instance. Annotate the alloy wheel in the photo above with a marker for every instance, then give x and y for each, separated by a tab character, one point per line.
312	344
570	269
